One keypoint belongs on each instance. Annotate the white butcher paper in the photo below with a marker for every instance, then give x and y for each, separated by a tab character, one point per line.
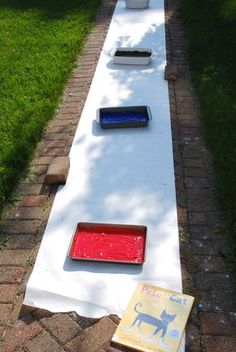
121	176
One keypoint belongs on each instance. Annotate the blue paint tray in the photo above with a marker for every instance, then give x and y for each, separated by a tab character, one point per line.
125	116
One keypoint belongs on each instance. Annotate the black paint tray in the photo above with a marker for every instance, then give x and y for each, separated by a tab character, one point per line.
125	116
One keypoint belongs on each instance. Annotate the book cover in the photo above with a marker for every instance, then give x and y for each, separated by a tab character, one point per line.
154	320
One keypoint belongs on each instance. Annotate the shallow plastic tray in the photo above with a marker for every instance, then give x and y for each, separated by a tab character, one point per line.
109	243
137	4
132	56
125	116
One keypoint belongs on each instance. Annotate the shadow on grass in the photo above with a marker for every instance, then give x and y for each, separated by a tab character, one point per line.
52	10
211	32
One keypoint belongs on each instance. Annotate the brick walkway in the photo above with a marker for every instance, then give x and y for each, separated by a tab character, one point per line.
206	275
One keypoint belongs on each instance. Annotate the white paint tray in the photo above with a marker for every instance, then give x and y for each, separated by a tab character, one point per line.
137	4
132	56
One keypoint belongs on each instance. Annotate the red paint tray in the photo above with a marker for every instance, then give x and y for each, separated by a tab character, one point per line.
109	243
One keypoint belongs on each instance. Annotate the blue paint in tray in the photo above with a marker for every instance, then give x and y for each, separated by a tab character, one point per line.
136	116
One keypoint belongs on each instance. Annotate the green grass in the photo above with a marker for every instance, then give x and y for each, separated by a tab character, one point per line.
211	32
39	42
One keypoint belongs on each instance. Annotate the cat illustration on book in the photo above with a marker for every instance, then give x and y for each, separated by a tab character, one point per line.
160	324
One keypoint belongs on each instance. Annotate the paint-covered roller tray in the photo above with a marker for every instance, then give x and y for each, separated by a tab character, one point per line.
132	56
125	116
109	243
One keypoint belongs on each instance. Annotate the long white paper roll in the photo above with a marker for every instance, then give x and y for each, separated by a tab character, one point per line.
117	176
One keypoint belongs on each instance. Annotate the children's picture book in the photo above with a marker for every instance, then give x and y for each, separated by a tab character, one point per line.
154	320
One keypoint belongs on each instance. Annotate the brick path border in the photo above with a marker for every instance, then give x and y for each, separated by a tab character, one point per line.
205	268
212	324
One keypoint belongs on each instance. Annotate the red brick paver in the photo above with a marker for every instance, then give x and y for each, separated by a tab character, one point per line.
212	324
61	326
19	334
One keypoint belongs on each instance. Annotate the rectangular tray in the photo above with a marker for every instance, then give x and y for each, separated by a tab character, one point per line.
137	4
125	116
132	56
109	243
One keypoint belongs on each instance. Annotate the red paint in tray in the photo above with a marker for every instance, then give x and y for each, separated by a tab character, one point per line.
108	242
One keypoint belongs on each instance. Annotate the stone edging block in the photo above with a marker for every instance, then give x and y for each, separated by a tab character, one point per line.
171	72
58	170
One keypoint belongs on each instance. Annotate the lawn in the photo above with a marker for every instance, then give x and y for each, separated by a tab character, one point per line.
39	42
211	34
